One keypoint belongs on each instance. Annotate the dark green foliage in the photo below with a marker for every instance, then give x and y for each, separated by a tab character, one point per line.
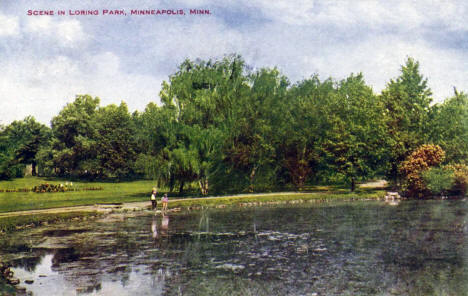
115	141
91	141
74	145
447	180
355	140
19	145
406	109
49	188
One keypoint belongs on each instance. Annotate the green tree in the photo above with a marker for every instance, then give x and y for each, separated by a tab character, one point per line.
115	141
202	95
449	122
438	180
25	138
303	129
8	166
74	144
249	149
407	107
155	137
355	141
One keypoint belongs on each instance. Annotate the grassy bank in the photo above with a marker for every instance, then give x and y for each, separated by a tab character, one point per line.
110	193
276	198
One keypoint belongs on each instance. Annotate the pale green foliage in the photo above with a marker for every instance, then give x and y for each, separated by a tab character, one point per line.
438	180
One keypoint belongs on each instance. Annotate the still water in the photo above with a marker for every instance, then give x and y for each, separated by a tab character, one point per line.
353	248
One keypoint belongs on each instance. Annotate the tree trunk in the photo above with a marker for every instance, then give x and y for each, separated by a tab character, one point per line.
203	182
171	183
251	177
181	187
33	169
394	176
353	184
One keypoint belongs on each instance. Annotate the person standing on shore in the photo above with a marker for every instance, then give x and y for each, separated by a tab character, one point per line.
164	200
154	203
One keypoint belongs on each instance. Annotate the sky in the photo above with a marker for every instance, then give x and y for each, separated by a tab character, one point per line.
45	61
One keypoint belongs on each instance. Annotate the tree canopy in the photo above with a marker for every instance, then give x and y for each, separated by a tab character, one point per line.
222	126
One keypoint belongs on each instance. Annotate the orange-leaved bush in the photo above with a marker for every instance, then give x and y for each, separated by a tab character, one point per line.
421	159
460	175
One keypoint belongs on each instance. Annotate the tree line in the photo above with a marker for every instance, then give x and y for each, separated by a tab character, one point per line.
228	128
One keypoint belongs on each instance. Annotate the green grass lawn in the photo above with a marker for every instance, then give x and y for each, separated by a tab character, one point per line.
111	193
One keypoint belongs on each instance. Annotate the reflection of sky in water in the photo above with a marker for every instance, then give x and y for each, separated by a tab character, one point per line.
137	284
55	283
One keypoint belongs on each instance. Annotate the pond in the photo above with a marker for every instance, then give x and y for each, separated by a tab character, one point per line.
346	248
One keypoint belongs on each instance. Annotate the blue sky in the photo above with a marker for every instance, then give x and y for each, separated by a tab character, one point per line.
46	60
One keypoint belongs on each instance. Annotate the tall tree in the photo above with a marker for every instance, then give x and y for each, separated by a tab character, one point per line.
355	141
115	138
156	136
252	139
202	94
304	129
74	130
407	105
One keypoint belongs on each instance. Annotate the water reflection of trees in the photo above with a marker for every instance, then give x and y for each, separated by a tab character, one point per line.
432	258
27	263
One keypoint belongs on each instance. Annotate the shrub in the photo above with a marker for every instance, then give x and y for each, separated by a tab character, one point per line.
420	160
42	188
439	180
460	175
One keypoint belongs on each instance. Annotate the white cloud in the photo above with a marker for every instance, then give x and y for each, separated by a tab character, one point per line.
70	32
67	33
380	60
42	88
9	25
204	40
406	15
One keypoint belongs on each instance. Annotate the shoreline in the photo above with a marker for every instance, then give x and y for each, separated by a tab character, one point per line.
13	221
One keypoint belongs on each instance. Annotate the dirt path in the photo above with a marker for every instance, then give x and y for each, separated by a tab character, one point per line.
375	184
138	205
